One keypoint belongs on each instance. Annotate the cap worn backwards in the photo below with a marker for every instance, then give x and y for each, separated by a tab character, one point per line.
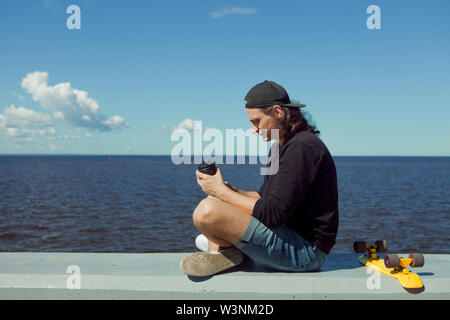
269	93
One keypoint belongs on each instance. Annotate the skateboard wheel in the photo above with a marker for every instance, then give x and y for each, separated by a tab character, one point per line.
382	246
359	246
391	260
417	260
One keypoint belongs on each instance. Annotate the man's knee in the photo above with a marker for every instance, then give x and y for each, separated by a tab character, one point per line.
203	213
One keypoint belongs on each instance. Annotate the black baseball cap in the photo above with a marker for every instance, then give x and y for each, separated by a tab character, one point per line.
269	93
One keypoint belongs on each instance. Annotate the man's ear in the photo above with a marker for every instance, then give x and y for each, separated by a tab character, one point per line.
278	112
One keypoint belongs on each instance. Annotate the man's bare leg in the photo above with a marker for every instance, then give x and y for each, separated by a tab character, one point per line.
223	225
215	247
215	244
220	222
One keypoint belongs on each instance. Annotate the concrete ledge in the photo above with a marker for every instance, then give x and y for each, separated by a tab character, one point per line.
157	276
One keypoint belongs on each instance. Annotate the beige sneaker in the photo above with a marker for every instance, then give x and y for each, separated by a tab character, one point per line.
202	264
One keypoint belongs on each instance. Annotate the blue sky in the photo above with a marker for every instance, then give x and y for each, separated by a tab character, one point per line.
137	69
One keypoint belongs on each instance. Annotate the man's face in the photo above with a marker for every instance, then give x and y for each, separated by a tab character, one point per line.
262	123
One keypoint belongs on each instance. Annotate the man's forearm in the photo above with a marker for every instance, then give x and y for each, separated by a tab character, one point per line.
241	200
252	194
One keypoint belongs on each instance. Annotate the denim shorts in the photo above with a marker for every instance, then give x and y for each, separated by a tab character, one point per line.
280	248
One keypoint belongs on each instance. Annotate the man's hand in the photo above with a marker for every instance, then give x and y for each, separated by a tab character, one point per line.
215	186
211	185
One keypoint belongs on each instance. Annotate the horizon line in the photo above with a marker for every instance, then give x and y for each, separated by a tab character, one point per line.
168	155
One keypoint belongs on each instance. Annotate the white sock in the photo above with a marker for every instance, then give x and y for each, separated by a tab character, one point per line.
202	243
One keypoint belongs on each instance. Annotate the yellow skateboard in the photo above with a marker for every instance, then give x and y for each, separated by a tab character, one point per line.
392	265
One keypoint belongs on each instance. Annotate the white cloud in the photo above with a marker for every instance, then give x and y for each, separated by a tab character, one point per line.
226	11
72	105
69	137
23	125
12	132
164	129
115	122
24	118
187	124
27	133
19	96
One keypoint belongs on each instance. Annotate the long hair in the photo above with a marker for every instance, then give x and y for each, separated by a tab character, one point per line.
293	121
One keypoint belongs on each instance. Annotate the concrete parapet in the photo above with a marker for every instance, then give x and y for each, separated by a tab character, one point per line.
157	276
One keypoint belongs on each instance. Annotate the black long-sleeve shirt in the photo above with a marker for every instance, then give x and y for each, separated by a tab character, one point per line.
303	194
